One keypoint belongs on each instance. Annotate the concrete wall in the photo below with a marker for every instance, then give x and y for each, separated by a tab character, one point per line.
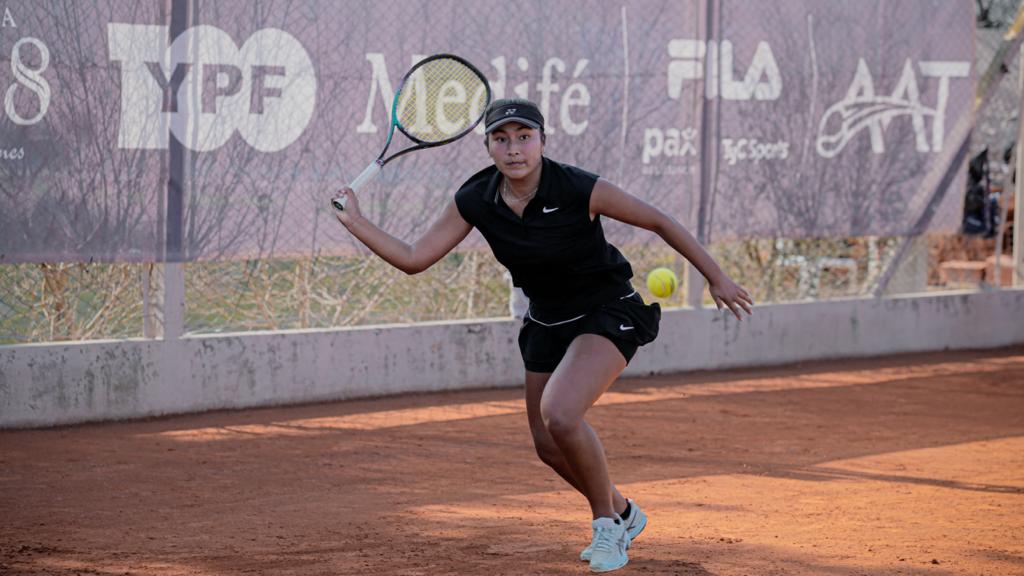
62	383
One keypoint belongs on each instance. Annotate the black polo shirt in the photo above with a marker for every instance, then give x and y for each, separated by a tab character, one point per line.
555	252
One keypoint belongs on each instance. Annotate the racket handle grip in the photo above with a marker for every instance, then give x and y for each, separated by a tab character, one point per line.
369	173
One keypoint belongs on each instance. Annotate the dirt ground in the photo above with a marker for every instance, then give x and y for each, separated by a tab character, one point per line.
907	465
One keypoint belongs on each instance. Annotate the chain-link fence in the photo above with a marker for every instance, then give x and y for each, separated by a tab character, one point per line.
263	252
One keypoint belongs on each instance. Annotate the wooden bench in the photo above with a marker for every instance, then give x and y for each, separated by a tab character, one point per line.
962	272
1005	270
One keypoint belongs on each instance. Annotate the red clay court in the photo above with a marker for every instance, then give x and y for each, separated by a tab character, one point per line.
905	465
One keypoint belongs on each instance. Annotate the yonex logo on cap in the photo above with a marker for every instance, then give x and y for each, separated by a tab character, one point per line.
506	110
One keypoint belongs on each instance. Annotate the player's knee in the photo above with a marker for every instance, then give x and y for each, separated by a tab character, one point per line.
559	421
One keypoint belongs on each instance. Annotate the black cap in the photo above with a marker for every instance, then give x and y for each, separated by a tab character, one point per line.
506	110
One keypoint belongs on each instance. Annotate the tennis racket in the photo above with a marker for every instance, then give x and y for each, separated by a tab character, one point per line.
440	99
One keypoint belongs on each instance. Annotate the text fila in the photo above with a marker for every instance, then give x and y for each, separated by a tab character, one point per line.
762	80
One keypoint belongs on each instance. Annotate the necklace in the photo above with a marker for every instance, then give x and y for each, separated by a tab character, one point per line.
510	198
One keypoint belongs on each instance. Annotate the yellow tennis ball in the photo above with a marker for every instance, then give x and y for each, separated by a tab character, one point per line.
662	282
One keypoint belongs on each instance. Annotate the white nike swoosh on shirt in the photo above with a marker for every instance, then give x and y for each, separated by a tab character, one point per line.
547	210
623	327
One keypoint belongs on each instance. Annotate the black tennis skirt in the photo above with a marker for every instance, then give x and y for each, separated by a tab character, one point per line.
627	322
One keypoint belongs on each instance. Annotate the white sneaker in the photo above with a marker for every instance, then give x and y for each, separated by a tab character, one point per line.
609	546
635	524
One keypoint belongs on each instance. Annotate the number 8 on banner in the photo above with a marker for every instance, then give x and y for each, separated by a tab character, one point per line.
440	99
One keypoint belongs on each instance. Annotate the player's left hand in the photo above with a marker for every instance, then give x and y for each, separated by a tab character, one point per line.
730	294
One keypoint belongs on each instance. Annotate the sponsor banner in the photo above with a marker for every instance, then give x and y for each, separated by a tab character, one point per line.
215	130
68	191
833	112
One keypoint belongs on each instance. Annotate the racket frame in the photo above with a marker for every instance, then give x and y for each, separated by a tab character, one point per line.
374	167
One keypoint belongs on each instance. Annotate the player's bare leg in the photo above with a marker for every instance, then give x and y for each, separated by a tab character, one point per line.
547	450
589	367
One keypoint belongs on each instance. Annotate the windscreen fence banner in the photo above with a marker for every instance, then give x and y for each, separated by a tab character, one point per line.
183	130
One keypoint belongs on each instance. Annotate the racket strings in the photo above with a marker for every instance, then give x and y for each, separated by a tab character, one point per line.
442	99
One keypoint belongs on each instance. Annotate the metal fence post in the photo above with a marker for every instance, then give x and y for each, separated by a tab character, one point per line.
1018	189
173	281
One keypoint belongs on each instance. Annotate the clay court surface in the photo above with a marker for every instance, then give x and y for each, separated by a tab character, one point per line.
907	465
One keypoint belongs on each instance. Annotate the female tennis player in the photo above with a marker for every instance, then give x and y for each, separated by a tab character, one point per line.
542	220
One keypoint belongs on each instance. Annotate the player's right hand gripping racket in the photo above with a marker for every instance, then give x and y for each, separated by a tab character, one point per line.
441	99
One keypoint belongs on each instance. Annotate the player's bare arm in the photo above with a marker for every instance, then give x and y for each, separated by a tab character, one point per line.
444	235
609	200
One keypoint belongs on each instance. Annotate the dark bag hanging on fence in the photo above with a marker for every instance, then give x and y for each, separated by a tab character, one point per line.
981	205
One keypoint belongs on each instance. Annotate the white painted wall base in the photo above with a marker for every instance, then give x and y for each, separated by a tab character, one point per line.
64	383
